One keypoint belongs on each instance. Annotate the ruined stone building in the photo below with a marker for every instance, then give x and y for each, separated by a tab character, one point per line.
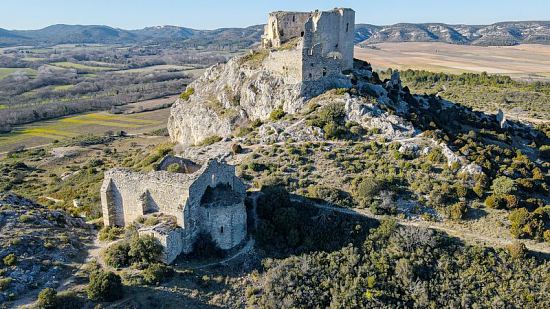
312	48
209	199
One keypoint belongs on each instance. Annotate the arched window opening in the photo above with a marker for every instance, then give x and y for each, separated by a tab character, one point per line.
302	34
293	18
324	71
221	229
310	75
347	27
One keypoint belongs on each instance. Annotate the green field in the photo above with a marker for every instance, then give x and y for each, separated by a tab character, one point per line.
45	132
62	87
72	65
4	72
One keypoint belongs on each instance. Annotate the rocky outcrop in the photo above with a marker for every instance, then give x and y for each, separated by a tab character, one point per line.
39	243
228	95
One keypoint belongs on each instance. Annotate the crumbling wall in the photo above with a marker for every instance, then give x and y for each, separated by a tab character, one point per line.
283	26
287	64
128	193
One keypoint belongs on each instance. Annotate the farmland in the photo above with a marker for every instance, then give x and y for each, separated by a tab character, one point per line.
528	62
46	132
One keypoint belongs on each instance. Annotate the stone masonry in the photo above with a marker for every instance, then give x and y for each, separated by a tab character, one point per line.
312	48
210	200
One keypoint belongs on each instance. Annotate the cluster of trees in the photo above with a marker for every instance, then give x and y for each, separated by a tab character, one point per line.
332	119
404	267
483	91
289	227
27	99
31	94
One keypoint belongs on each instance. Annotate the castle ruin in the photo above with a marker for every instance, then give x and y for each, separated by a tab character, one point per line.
209	200
312	48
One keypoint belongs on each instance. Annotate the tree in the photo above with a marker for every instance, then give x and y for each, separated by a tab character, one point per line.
47	299
104	286
145	249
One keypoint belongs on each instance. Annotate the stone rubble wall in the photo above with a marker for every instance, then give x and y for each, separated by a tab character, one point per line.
283	26
127	195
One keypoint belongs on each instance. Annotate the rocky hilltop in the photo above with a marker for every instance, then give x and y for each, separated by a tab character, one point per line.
235	95
229	95
37	245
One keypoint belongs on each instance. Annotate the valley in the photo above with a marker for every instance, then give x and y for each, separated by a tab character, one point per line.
305	164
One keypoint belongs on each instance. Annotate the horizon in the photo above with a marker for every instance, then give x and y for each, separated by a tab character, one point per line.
142	13
229	27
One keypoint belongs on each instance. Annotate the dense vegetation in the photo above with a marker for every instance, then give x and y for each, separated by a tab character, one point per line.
404	267
483	91
44	83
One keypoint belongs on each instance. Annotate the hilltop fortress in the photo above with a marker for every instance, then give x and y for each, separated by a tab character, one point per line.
314	49
301	55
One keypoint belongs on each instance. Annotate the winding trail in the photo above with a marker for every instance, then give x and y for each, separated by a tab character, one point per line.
468	237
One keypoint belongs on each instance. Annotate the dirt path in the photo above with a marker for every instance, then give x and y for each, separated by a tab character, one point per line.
467	236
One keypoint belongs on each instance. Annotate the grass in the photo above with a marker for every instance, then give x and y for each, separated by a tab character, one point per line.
71	65
40	133
32	59
4	72
62	87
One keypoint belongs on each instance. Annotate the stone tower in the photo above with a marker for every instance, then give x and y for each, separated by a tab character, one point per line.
313	48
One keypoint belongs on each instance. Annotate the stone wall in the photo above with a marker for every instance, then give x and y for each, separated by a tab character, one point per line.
287	64
283	26
325	47
127	195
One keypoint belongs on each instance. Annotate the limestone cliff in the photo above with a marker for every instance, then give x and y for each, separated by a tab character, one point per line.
228	95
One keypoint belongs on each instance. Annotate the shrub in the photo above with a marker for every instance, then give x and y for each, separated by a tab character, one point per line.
368	188
109	233
518	219
436	156
145	249
69	300
546	236
151	221
277	114
174	168
503	185
10	259
494	201
187	93
104	286
517	250
47	299
210	140
26	219
458	211
156	273
117	255
4	283
330	194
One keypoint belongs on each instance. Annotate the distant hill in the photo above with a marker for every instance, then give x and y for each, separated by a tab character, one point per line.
505	33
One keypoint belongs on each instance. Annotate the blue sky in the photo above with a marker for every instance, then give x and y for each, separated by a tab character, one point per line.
207	14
